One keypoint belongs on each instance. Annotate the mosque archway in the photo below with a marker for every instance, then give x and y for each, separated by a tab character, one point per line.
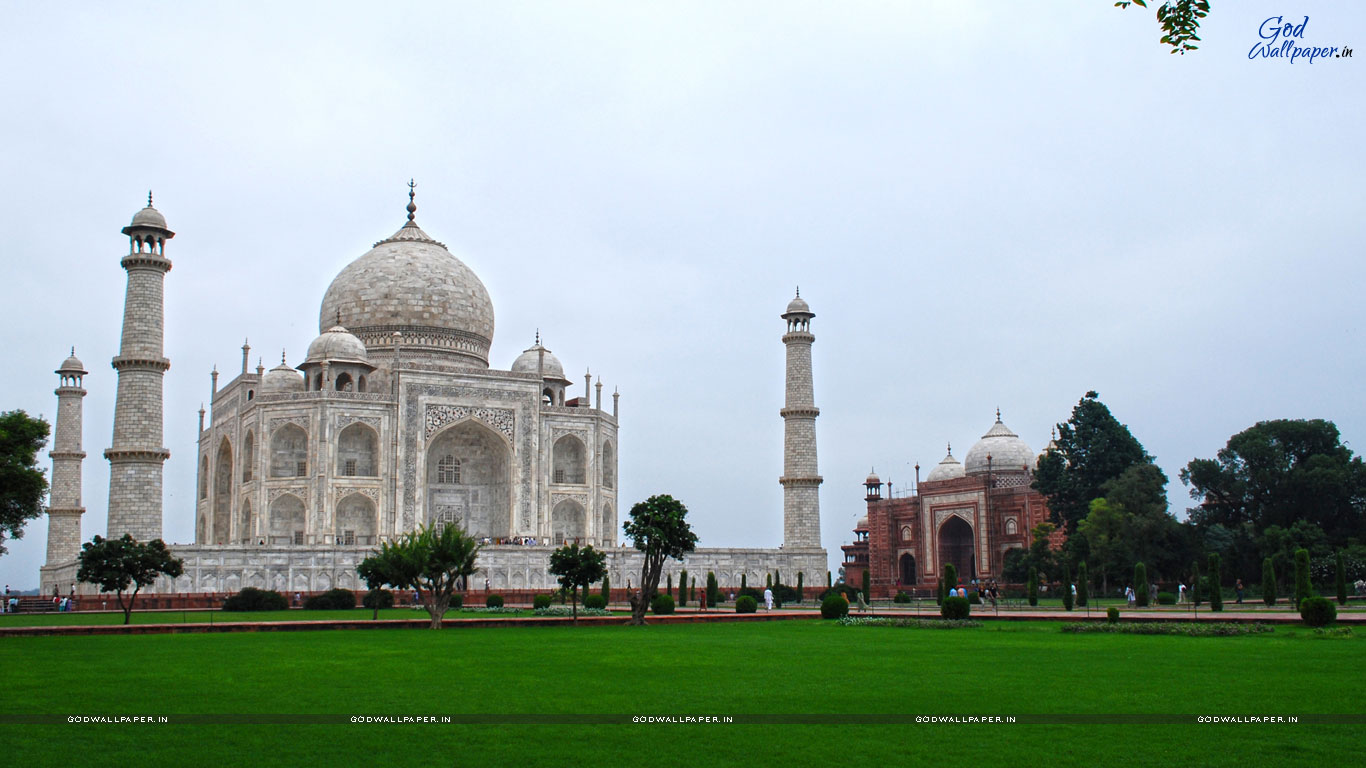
955	546
568	461
906	566
287	520
355	521
357	450
222	495
478	495
568	522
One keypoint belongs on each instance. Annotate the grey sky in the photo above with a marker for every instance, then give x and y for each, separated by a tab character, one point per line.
986	204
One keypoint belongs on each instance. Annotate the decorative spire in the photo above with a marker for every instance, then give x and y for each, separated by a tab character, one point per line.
799	291
149	198
412	206
998	414
949	445
282	356
339	316
538	337
73	350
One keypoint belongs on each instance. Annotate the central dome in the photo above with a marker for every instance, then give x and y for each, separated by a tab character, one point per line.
1007	451
410	284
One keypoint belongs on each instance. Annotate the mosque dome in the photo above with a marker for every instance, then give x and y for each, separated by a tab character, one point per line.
1008	452
149	217
530	361
337	345
410	283
282	378
72	365
873	479
948	469
798	305
862	524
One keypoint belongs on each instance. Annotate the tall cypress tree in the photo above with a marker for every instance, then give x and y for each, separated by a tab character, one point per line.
801	577
828	582
1033	585
1303	589
713	591
1083	589
1140	585
768	581
669	585
1216	584
1342	581
1268	583
607	588
1066	587
1195	584
682	588
744	581
867	582
950	577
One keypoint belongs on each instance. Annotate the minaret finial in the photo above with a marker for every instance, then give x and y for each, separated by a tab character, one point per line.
538	337
149	198
73	350
282	356
949	445
998	414
412	206
799	291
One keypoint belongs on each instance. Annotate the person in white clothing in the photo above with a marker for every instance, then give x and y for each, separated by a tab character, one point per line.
768	599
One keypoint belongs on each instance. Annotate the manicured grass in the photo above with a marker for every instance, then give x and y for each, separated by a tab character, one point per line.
712	669
223	617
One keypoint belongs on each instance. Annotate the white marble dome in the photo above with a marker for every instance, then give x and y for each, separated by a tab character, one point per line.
72	365
411	284
948	469
798	306
530	361
282	378
337	345
1008	452
149	217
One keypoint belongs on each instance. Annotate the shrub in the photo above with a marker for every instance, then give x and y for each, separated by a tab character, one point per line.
493	601
662	605
1196	592
253	599
1318	611
1033	586
955	608
801	584
950	578
1166	598
1216	586
331	600
378	599
834	606
1268	583
901	597
755	594
849	593
1067	596
1303	590
1112	615
744	581
1141	585
782	593
974	597
541	601
713	591
606	589
595	602
747	604
1083	589
457	601
1188	629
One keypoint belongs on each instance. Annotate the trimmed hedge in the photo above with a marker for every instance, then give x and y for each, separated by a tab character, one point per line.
1112	615
662	605
1318	611
955	608
541	601
253	599
834	606
595	602
1166	598
457	601
331	600
901	597
493	601
746	604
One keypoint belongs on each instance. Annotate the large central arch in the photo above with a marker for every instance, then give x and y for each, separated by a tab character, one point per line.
955	546
469	480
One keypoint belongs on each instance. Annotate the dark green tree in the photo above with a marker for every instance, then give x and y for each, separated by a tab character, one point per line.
867	584
1341	580
1083	585
683	588
950	578
1092	449
1195	584
1066	587
828	582
23	485
692	588
713	590
1216	583
1268	583
669	585
659	528
1140	585
1179	20
744	581
939	593
429	561
114	565
801	578
1033	586
1303	589
1278	473
577	568
607	588
768	581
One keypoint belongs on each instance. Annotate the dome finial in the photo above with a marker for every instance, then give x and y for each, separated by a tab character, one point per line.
149	198
538	337
338	315
998	414
73	350
282	356
412	206
799	291
949	446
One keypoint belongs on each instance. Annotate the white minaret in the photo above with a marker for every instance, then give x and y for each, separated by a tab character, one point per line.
801	479
136	457
64	507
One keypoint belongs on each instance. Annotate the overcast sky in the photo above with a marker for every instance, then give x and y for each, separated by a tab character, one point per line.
986	204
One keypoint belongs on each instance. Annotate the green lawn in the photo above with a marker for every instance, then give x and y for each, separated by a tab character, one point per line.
220	617
724	668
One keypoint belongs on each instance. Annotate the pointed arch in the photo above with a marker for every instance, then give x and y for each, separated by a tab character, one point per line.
568	459
568	522
358	451
245	523
248	456
607	528
469	479
289	452
356	521
608	460
287	520
204	478
222	495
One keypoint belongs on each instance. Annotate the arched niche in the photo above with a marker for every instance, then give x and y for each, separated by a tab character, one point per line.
358	452
356	521
289	452
568	460
287	520
609	465
568	522
222	495
469	480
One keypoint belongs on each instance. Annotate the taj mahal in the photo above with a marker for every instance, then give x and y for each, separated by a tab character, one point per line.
393	419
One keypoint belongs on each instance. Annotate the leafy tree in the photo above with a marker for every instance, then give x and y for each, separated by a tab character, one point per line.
1278	473
1303	589
22	483
1083	585
659	528
1216	583
1033	586
1140	585
1093	448
1066	587
116	564
577	568
1179	19
1341	579
430	561
376	599
1268	583
1105	532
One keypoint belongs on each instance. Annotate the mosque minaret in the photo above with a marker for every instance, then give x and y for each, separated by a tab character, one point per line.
801	479
136	456
64	508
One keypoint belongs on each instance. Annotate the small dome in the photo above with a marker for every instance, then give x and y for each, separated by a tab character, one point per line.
149	217
1007	451
282	378
337	345
72	365
798	305
530	361
948	469
873	479
862	524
